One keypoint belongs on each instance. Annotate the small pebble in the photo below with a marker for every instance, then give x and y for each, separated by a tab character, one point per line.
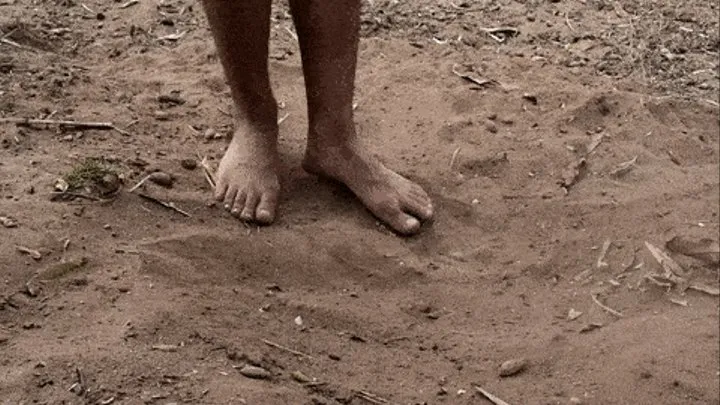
255	372
209	134
162	115
8	222
512	367
491	127
575	400
188	164
161	178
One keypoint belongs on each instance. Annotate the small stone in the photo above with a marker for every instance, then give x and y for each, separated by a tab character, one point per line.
162	115
507	121
31	325
107	226
161	178
531	98
68	138
573	314
109	184
334	357
257	373
188	164
298	321
165	348
209	134
8	222
491	127
575	401
512	367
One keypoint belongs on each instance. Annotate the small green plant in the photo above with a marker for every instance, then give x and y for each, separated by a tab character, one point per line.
88	173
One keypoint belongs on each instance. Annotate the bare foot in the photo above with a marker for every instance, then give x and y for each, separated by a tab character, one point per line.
395	200
247	180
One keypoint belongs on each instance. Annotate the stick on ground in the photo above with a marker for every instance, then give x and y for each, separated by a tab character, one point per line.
287	349
64	123
490	397
168	205
369	397
604	307
479	82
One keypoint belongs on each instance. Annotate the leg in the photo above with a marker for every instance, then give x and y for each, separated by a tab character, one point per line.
247	177
328	33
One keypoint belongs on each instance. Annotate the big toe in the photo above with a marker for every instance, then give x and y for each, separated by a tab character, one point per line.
265	212
398	220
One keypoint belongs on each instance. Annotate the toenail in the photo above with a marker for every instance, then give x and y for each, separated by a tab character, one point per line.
411	223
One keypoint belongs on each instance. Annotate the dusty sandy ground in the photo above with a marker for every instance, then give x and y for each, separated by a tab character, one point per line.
593	130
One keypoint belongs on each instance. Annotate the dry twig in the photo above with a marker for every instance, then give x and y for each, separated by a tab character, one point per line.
287	349
471	79
605	307
369	397
168	205
490	397
64	124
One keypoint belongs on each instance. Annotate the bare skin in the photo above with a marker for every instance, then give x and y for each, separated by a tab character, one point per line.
248	175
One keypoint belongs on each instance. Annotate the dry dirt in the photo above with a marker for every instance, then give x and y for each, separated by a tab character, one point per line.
126	302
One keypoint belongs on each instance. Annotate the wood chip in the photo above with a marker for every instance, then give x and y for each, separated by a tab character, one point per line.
682	303
32	252
471	79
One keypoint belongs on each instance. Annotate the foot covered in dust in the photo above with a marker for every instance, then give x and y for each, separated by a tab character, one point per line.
395	200
247	180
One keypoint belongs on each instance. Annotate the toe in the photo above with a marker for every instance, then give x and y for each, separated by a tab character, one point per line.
220	191
398	220
419	207
265	213
251	203
229	199
239	203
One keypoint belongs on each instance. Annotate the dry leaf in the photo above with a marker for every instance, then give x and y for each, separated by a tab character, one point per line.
705	289
673	271
623	168
705	249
